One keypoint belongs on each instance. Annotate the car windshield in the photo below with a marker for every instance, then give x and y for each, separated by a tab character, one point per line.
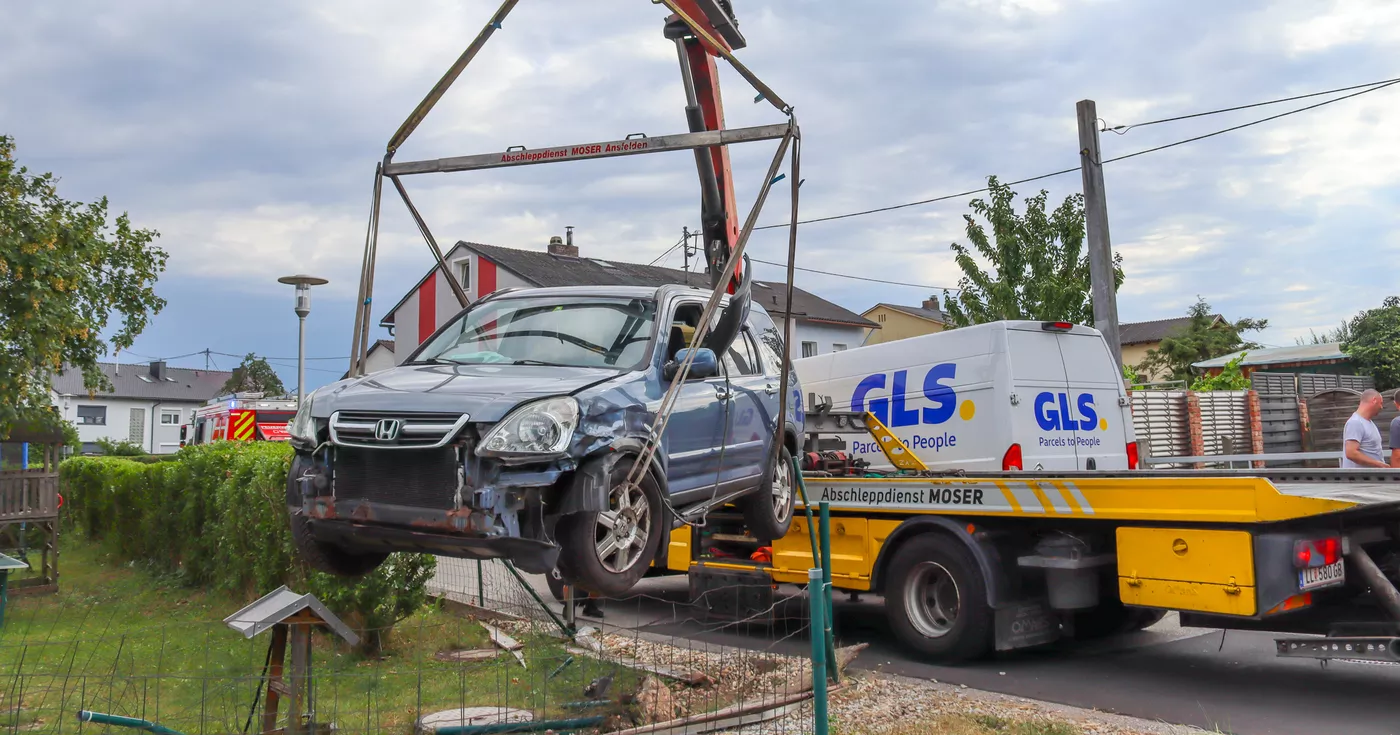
568	331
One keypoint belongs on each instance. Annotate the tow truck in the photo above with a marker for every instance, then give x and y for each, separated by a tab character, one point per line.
969	564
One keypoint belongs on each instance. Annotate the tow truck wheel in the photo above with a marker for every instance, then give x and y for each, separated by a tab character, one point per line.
319	555
936	600
607	552
768	510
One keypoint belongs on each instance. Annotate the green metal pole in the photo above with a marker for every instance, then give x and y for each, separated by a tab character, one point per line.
817	609
480	585
119	721
827	632
4	593
533	726
811	525
563	627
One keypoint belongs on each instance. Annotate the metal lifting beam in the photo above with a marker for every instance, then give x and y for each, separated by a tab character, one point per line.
632	145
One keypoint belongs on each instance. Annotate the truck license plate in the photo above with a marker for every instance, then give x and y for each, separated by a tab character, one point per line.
1318	577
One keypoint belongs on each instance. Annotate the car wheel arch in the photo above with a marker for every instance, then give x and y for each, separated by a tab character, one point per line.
988	558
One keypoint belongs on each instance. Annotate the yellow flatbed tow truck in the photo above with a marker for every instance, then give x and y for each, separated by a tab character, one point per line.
1008	560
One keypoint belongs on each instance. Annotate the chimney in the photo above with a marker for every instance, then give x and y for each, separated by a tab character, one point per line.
158	369
932	305
557	246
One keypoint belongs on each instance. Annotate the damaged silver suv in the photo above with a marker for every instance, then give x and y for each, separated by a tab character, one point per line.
510	434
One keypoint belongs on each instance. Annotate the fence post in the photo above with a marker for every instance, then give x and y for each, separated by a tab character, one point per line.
1256	427
827	632
480	586
817	608
1193	422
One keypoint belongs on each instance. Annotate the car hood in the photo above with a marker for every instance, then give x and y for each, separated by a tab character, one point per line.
485	392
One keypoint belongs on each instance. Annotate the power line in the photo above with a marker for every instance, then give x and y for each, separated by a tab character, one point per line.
1248	124
1123	129
859	278
942	198
669	250
1369	88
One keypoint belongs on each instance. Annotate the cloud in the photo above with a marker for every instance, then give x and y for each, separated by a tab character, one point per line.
247	134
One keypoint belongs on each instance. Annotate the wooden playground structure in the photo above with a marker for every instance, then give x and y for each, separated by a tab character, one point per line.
29	505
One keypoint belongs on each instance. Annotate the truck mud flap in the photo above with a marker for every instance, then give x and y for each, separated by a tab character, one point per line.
1026	624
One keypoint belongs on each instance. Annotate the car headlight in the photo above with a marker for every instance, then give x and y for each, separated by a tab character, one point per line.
541	427
302	427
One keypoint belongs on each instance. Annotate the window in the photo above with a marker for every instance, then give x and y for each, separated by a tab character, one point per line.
464	273
138	425
740	358
571	331
838	347
92	415
169	418
809	349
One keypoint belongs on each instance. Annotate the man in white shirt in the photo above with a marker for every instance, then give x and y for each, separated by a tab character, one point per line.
1361	440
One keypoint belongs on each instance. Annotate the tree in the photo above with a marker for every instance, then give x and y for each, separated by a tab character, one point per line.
1231	377
255	375
65	272
1203	338
1038	265
1374	343
1341	334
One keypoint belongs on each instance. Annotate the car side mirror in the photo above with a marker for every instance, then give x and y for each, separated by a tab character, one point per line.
705	364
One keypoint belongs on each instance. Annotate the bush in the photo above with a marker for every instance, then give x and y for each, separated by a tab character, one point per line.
120	449
1231	377
216	517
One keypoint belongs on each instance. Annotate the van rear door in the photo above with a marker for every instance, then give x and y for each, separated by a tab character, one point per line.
1095	386
1041	395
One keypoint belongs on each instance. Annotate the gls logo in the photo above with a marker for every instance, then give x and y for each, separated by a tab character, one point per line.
893	412
1052	418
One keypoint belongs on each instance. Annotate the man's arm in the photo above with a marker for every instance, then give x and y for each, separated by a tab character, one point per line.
1395	442
1395	457
1354	453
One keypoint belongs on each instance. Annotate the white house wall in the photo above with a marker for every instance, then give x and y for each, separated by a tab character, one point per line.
155	438
827	336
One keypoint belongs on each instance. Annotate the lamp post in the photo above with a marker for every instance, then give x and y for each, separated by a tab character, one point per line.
303	307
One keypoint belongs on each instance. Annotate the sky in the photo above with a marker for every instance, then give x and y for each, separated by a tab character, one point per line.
246	134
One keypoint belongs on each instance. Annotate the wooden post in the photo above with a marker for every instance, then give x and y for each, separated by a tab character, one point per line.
1100	247
301	678
275	686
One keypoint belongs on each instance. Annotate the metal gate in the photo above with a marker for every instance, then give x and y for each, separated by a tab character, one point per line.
1161	423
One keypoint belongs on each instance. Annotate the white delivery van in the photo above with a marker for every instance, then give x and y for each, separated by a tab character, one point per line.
999	396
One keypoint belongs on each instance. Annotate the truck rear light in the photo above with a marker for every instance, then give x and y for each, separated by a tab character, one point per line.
1317	552
1132	455
1012	459
1056	326
1293	603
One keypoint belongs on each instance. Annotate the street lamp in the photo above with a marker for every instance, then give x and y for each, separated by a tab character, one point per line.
303	307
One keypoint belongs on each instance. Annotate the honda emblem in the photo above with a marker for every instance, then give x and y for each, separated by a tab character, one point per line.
386	430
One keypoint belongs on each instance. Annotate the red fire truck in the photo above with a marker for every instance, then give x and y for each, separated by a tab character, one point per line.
240	417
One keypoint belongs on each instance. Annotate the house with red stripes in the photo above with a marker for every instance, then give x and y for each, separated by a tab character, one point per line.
819	326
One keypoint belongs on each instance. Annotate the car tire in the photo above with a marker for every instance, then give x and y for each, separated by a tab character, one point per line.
627	535
768	510
319	555
936	600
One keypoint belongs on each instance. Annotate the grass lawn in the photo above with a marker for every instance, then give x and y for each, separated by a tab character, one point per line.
119	640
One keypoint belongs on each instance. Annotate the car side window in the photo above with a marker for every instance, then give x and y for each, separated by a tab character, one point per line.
740	358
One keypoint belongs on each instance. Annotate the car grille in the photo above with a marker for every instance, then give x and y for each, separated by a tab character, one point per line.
417	478
394	430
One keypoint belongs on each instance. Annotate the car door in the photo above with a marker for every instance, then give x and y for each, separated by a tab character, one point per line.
753	401
695	431
1042	418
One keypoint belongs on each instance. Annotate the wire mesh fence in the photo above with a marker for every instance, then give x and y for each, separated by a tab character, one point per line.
488	655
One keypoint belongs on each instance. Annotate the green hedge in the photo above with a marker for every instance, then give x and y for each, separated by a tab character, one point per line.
216	517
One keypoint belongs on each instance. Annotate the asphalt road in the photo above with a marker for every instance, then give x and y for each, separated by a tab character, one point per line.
1166	673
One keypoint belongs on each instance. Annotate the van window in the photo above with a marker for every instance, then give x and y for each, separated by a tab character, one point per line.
1035	356
1087	360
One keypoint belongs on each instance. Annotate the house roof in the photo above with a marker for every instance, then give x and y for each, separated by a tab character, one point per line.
136	381
543	269
1323	353
915	311
1136	333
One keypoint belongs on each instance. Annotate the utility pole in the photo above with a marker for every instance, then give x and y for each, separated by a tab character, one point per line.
1096	229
